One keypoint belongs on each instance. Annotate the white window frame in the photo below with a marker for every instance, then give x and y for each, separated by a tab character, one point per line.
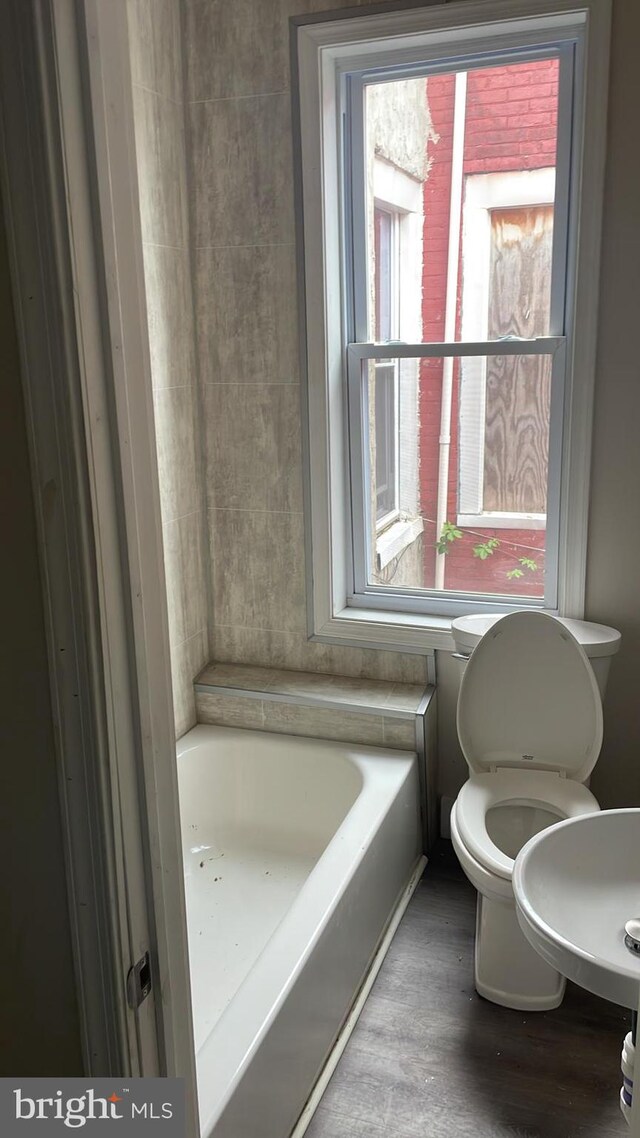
400	194
326	52
483	193
395	225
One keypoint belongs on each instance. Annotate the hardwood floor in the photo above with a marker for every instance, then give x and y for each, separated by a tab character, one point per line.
430	1059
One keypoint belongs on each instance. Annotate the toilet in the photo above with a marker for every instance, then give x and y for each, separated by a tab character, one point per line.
530	727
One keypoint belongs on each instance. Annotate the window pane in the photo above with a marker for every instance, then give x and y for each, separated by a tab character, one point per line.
476	523
386	440
466	162
383	223
516	433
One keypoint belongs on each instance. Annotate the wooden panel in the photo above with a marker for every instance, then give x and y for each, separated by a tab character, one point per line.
518	387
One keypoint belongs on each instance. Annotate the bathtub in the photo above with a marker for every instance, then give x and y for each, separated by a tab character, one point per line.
296	853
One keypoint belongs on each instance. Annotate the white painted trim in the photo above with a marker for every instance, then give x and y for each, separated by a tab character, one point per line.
150	746
396	190
541	346
391	631
450	311
325	50
32	46
400	193
396	539
77	253
494	520
356	1009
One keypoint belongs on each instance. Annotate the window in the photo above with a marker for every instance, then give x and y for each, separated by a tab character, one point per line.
449	337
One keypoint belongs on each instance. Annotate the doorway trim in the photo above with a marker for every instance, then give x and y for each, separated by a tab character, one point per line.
73	224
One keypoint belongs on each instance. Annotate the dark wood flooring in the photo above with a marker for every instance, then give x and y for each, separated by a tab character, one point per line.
430	1059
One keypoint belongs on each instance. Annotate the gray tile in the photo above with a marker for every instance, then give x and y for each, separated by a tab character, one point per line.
185	576
366	693
238	676
405	697
170	315
247	318
400	733
175	411
160	145
320	723
292	650
258	569
248	45
229	711
242	171
370	696
253	457
241	47
187	659
155	40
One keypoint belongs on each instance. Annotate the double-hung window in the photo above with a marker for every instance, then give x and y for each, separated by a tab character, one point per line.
451	174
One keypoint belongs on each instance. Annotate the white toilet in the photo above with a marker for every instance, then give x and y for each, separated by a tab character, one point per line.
530	727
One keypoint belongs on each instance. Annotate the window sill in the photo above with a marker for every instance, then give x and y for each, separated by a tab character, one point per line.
503	521
395	539
390	631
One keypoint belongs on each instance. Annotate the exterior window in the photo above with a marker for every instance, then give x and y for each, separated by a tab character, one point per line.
507	263
451	233
387	302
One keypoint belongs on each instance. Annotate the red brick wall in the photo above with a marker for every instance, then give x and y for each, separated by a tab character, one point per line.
510	125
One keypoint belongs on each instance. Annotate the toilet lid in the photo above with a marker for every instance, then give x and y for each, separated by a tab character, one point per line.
529	698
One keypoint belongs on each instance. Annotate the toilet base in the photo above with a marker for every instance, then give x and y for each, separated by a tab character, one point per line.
508	971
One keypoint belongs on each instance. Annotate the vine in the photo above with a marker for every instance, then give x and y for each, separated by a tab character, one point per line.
485	549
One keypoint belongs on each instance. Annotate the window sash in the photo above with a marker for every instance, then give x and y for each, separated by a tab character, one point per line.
354	189
359	318
445	602
387	469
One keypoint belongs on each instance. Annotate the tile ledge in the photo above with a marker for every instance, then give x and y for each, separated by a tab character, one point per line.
315	689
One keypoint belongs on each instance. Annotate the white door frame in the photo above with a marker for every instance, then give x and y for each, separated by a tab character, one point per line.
72	216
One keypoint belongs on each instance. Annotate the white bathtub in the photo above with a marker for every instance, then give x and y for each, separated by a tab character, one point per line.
296	853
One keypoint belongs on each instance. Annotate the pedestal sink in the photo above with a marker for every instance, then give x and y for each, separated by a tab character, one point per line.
576	885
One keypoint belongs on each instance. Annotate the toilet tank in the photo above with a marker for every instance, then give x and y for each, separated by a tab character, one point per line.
600	643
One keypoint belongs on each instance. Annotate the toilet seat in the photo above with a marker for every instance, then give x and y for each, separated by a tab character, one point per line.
542	789
529	700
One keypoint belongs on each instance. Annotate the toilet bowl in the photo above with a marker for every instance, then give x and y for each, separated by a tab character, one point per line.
530	726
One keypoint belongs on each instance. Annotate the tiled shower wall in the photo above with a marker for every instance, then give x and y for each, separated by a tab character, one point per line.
159	113
241	186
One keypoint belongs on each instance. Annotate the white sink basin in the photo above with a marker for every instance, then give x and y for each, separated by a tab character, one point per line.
576	884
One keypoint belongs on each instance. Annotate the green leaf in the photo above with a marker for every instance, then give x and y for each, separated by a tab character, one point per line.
529	564
486	548
449	533
513	573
